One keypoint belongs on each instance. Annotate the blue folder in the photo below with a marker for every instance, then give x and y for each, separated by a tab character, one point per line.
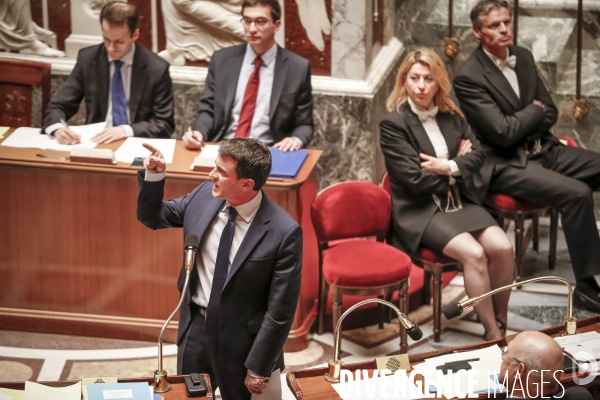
286	164
139	391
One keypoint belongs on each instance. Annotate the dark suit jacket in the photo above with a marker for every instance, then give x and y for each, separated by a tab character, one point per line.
290	111
503	122
261	292
150	98
402	139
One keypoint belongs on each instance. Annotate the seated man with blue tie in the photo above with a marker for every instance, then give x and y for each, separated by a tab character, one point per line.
122	83
256	90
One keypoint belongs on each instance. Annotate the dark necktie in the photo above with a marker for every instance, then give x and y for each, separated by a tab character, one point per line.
117	95
249	102
220	276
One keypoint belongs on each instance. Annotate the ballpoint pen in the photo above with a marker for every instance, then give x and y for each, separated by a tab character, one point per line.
195	137
62	121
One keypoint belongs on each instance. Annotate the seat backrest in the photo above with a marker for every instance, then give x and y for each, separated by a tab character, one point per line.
17	79
567	141
385	183
350	210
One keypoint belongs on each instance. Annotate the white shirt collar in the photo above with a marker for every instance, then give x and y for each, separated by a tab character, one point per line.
127	58
417	109
247	210
267	57
498	61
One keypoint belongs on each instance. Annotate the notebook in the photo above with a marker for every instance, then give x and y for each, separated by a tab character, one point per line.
286	164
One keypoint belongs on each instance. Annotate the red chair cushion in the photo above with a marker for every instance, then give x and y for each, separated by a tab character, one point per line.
432	256
365	263
509	203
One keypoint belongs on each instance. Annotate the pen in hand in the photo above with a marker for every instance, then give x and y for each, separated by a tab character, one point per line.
195	137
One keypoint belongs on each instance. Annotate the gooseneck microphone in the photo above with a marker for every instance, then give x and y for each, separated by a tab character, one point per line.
335	365
190	248
570	323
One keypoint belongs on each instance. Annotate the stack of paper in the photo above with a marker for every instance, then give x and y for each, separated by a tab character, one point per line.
205	161
33	138
9	394
484	367
37	391
132	148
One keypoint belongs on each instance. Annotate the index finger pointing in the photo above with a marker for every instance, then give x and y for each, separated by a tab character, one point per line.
148	146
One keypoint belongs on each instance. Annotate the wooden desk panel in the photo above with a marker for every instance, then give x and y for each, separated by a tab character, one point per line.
310	384
75	260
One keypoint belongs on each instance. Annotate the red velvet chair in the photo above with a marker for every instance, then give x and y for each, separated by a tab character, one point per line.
518	210
357	210
434	263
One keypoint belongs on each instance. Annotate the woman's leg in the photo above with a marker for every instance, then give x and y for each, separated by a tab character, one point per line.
501	265
472	256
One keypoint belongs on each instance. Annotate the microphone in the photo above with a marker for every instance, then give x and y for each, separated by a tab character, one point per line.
570	323
190	248
335	365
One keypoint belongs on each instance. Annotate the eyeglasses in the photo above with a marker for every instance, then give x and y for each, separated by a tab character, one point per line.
260	22
505	350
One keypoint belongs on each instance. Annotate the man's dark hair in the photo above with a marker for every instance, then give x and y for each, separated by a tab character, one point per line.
483	8
274	4
252	156
120	13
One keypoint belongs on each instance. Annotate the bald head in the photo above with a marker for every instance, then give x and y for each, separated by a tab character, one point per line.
531	363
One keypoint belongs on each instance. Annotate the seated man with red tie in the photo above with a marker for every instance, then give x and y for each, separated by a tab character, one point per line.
120	81
256	90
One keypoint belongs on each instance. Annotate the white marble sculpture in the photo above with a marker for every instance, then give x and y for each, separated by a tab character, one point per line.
195	29
19	32
314	20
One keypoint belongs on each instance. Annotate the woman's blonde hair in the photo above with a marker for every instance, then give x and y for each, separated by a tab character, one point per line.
427	57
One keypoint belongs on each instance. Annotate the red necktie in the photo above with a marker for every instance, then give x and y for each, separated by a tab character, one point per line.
249	102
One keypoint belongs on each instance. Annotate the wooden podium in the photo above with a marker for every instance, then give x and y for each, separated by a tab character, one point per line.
177	392
310	384
75	260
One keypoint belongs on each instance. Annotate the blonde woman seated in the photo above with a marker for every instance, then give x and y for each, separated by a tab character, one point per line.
433	161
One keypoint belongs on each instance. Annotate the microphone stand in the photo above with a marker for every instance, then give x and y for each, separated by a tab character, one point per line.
335	365
570	323
161	384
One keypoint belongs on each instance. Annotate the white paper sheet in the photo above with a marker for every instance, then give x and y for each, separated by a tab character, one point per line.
36	391
25	137
378	388
579	338
490	360
132	148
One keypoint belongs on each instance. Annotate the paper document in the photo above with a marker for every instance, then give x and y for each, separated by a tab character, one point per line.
132	148
125	390
588	350
576	339
381	387
36	391
10	394
3	130
487	362
32	138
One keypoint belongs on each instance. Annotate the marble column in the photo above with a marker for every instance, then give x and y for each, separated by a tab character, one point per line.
85	25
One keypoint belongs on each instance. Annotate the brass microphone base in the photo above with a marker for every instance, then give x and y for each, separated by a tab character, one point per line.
570	325
160	382
333	375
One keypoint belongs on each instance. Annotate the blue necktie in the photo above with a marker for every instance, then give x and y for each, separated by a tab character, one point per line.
117	95
221	269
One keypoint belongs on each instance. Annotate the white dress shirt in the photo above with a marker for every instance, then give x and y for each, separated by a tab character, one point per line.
126	76
209	246
437	139
507	71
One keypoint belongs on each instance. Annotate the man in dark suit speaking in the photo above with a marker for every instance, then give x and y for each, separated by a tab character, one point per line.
256	90
511	112
247	280
122	83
